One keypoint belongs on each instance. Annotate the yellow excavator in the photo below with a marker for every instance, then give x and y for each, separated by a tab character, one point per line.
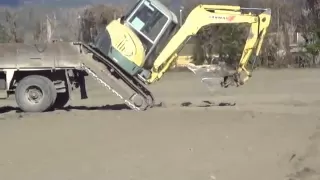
147	40
141	45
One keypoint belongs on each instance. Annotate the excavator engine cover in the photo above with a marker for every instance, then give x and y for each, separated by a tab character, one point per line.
103	43
106	44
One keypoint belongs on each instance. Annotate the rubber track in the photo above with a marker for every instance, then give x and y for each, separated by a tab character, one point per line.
127	102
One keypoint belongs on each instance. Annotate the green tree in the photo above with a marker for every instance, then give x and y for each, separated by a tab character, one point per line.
4	37
310	25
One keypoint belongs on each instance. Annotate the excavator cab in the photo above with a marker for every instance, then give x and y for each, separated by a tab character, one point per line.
154	24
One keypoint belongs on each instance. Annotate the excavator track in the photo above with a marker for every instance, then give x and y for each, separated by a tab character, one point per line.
105	71
94	75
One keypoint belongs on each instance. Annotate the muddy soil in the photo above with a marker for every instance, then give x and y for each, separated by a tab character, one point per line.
268	129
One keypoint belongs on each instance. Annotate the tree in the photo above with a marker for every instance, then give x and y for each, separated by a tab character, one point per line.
225	40
310	26
96	18
4	37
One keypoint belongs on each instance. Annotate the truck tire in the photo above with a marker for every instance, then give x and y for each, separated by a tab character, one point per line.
35	93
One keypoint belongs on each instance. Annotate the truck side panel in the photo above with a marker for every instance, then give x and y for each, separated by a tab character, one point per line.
40	56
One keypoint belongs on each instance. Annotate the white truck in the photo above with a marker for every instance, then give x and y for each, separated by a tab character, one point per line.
42	76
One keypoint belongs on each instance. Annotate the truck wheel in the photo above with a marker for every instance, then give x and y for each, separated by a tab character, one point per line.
35	93
61	100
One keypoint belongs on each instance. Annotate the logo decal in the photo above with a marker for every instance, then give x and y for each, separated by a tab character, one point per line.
231	18
228	18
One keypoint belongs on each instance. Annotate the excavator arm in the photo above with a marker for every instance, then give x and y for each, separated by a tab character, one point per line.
204	15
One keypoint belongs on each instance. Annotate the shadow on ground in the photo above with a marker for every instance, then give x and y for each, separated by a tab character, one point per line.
203	104
206	104
7	109
115	107
118	107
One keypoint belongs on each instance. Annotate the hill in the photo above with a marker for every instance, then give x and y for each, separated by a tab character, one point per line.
57	3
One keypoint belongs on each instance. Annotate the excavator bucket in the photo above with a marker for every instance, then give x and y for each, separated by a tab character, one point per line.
213	76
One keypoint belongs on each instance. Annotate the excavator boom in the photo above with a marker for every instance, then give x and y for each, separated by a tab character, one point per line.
204	15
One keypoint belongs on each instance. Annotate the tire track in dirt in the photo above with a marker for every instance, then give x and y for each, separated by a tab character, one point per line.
307	166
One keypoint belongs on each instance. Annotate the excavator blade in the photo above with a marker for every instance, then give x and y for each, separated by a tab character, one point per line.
213	76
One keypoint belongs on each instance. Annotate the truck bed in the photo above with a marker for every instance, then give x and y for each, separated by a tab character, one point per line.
39	56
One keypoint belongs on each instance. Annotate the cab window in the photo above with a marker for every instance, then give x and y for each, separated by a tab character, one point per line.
149	21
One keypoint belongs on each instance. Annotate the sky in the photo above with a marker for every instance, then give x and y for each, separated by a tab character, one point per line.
67	3
10	2
56	2
72	3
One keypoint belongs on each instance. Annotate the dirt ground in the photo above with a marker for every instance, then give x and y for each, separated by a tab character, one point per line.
271	133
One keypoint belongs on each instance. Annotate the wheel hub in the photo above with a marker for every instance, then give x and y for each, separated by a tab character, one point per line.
138	100
34	94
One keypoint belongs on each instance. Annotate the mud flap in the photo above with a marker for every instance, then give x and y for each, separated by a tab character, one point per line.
3	89
82	85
